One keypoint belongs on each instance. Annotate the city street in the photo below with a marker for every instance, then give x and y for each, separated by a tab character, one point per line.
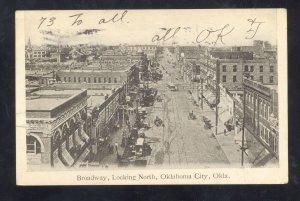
181	141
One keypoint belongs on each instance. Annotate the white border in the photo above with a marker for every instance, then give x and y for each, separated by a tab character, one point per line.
237	175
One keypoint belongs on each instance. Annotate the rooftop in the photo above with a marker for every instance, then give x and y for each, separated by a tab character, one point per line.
47	100
95	100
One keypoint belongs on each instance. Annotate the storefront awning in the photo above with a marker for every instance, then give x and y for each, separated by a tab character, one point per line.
71	144
210	97
66	155
56	161
222	107
225	116
82	157
78	139
84	135
207	94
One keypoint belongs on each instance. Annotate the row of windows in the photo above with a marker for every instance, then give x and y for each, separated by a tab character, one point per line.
88	79
264	108
38	56
143	48
261	78
247	69
116	61
39	53
265	134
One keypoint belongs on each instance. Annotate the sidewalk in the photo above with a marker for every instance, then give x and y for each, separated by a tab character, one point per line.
115	137
228	142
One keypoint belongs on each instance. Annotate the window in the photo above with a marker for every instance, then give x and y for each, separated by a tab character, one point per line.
234	78
268	137
261	68
251	77
74	79
251	68
89	80
84	79
224	78
69	79
109	80
79	79
275	145
246	68
271	69
32	145
95	79
99	79
65	79
234	68
104	80
261	132
261	78
271	79
115	80
224	68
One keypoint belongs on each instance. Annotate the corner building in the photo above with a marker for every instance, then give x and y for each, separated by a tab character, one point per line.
56	128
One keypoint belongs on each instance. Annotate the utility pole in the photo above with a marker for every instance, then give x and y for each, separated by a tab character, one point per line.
243	127
217	94
201	81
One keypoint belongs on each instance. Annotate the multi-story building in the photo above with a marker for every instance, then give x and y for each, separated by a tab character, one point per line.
126	74
261	113
149	50
105	115
232	71
38	53
56	134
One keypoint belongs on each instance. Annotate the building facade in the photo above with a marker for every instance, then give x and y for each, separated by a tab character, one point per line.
261	114
56	134
231	72
128	75
105	118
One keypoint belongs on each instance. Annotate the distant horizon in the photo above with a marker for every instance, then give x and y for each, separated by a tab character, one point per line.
141	44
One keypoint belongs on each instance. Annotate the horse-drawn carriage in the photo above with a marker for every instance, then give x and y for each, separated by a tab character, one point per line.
158	121
192	116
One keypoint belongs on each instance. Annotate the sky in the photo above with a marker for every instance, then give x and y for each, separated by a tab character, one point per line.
234	27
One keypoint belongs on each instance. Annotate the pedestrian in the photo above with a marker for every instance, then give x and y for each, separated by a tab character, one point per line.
116	147
225	131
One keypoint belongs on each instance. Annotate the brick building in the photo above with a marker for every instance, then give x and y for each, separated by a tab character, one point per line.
148	50
232	71
56	134
261	113
127	74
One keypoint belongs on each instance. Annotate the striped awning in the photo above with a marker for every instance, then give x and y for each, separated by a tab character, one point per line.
212	99
82	157
225	116
66	155
56	161
84	135
71	144
209	96
78	139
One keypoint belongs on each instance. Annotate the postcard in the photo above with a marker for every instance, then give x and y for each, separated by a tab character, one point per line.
127	97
